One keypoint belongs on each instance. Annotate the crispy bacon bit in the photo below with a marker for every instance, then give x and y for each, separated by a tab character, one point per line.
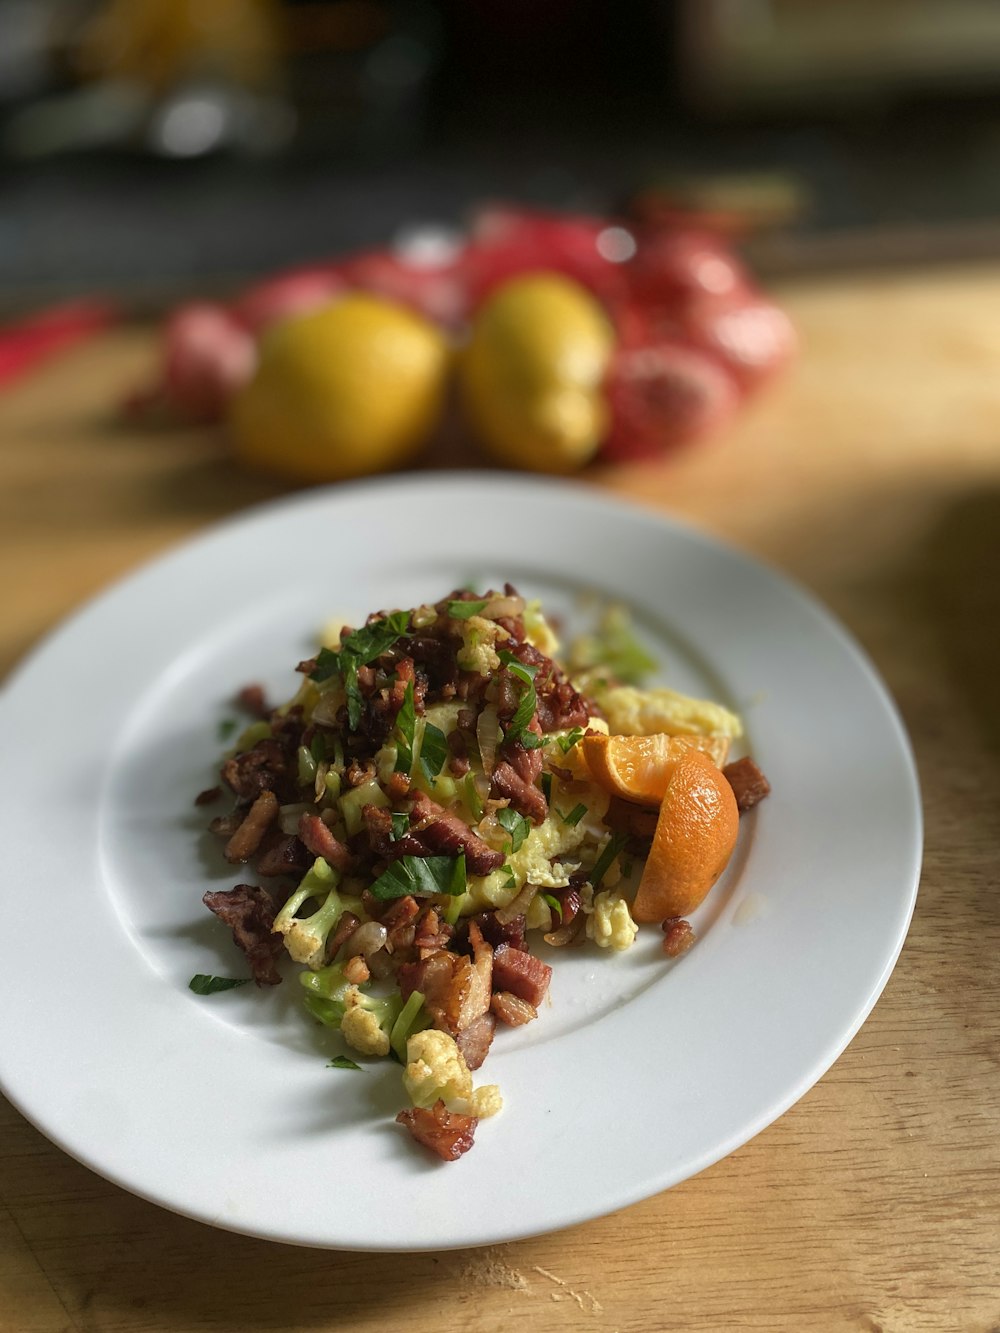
378	825
342	932
287	857
248	837
637	822
748	783
320	841
677	936
456	991
265	767
224	826
208	796
512	1010
249	912
474	1041
430	932
449	835
442	1131
398	786
527	764
521	973
494	931
526	799
253	701
356	970
357	773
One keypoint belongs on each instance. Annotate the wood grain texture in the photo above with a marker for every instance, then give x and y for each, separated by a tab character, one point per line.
872	474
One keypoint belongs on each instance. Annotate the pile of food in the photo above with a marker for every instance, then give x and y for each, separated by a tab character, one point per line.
438	795
567	337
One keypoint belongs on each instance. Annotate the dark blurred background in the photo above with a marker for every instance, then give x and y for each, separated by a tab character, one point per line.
153	148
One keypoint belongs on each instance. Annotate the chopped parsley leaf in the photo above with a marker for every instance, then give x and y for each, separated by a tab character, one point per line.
554	904
343	1062
433	750
514	824
462	610
400	825
202	984
406	722
567	742
611	849
226	728
421	876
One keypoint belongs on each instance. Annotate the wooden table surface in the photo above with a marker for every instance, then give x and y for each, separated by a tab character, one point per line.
872	474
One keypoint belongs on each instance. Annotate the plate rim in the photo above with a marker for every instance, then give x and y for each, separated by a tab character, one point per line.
559	488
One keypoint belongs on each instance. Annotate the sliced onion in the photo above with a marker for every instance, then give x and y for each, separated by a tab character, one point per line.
326	708
288	817
507	608
564	934
505	915
367	939
488	737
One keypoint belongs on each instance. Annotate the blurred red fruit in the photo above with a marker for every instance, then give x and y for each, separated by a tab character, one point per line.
753	338
293	293
672	266
435	290
208	354
662	396
505	243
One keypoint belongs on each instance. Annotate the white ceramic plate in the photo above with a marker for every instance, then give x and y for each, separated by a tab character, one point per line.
640	1072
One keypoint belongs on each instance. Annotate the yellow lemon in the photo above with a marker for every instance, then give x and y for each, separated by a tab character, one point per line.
532	373
352	388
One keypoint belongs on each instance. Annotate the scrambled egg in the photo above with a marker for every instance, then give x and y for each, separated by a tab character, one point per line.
531	863
633	712
610	923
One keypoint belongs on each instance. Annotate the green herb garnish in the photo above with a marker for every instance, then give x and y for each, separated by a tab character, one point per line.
554	904
603	864
317	747
433	750
226	728
516	728
400	825
514	824
202	984
420	876
510	882
546	783
462	610
574	816
567	742
342	1062
356	650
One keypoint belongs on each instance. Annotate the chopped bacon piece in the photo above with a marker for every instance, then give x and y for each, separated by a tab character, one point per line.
249	912
494	932
526	799
456	991
287	857
342	932
248	837
474	1041
321	842
253	700
512	1010
748	783
442	1131
677	936
378	825
527	764
208	796
521	973
431	933
265	767
449	835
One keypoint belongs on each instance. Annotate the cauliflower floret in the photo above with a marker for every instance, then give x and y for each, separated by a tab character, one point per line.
632	712
360	1026
610	923
436	1070
478	651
